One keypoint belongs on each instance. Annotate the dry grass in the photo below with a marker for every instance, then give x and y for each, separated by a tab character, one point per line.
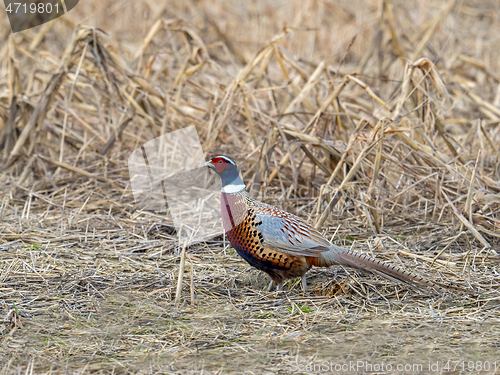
376	121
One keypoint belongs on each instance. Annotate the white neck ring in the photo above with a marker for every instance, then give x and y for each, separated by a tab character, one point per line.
231	189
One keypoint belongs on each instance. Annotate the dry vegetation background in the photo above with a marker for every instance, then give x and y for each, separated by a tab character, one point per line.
375	120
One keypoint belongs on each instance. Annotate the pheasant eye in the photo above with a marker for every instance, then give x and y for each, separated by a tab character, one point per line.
220	161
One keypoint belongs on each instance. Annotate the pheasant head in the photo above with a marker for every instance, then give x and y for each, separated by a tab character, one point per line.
227	170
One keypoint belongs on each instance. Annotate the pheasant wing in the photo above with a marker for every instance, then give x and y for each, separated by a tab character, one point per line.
289	233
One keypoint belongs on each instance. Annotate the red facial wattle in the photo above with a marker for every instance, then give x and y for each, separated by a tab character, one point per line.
220	167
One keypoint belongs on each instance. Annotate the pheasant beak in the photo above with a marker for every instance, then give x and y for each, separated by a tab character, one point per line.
209	165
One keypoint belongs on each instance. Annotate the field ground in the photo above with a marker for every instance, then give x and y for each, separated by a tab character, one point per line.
378	120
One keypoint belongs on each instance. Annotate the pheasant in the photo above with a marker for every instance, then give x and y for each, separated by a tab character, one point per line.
283	245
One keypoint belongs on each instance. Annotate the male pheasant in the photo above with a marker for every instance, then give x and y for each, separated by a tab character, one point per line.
283	245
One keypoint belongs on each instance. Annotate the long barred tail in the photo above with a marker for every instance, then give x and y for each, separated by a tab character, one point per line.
340	255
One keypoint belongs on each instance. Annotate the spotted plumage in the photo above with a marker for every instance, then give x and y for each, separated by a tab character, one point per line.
283	245
244	226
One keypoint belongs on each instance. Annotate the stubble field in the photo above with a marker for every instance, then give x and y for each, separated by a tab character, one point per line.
376	120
